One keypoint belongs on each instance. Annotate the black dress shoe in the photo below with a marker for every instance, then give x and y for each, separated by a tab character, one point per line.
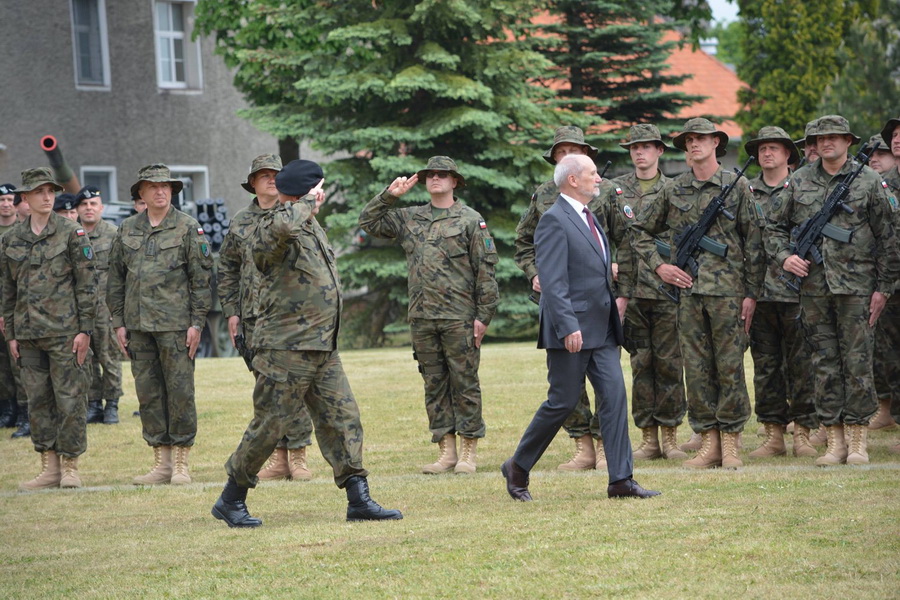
234	513
629	488
516	481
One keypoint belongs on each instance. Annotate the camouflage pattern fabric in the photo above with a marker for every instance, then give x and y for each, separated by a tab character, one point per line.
164	383
887	331
106	366
448	361
57	394
10	378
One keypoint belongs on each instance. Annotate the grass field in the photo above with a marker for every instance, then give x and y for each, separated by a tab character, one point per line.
776	528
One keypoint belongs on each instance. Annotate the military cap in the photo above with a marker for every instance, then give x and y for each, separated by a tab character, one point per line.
159	174
64	202
703	127
298	177
569	134
6	189
442	163
832	125
888	130
263	161
88	191
34	178
773	134
809	128
880	141
642	133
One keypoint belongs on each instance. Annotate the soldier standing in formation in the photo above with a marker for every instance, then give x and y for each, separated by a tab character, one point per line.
239	282
452	297
48	316
781	365
716	308
297	359
13	405
650	320
842	298
106	366
158	295
581	425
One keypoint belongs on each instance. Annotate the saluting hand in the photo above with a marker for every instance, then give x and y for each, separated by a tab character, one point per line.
319	193
401	185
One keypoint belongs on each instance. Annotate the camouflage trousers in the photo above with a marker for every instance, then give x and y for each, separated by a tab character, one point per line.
57	394
448	361
583	421
657	388
11	389
291	380
886	366
164	382
299	430
842	345
713	343
783	384
106	367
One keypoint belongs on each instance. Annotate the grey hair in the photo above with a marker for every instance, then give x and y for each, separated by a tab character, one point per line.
569	165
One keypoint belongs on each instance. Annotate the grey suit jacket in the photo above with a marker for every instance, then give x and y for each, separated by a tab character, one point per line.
576	281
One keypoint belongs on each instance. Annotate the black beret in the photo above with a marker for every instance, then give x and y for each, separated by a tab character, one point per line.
88	191
7	188
298	177
64	202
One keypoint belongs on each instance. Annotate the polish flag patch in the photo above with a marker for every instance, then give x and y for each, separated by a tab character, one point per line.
79	232
199	231
482	224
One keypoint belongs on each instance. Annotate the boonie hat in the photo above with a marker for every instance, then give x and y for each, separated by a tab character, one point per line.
643	133
298	177
263	161
88	191
881	147
442	163
569	134
64	202
773	134
159	174
34	178
703	127
809	128
832	125
888	130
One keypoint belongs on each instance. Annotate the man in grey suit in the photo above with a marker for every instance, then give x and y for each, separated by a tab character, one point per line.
581	330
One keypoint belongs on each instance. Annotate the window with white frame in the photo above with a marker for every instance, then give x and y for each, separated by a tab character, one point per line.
90	47
177	55
103	178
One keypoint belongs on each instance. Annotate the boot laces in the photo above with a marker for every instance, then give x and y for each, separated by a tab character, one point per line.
180	462
298	458
728	444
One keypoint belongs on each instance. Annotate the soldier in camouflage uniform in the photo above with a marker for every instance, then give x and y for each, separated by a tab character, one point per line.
158	294
717	304
651	328
842	298
239	292
11	393
580	426
810	152
106	367
452	297
297	359
48	312
782	372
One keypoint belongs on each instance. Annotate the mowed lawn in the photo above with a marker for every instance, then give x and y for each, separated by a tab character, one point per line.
776	528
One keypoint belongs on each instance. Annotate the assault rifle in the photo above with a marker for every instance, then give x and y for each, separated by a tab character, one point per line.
807	234
693	238
606	168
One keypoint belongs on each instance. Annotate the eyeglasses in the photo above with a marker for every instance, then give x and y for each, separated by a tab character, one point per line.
438	174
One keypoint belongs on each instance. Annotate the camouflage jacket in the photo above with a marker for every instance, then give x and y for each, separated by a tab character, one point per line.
769	206
450	260
238	280
860	267
159	276
48	280
102	240
300	297
543	198
682	200
636	279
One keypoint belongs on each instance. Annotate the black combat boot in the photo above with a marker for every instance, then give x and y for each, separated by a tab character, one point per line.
111	412
95	411
23	424
230	507
9	413
360	505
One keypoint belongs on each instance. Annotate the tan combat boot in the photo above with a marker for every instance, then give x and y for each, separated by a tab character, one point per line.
693	444
162	468
180	474
276	466
802	445
649	448
69	472
774	444
883	418
709	456
730	457
670	449
836	452
819	437
48	477
584	459
857	453
600	453
297	464
446	459
467	456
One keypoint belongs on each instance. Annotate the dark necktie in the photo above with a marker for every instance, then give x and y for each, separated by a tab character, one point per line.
590	220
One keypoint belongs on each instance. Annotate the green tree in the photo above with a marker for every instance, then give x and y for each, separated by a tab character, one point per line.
729	37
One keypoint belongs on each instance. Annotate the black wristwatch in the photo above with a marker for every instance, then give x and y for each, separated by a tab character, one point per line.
87	332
